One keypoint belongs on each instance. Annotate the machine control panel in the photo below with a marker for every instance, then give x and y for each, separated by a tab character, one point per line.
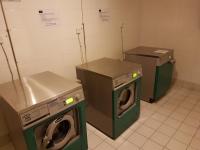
34	114
126	78
51	108
65	101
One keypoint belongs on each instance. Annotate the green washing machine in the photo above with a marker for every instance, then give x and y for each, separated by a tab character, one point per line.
112	92
49	116
157	65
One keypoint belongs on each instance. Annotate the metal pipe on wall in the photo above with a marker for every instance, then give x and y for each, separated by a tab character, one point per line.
84	34
12	48
122	40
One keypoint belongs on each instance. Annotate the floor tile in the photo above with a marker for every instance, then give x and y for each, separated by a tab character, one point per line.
177	116
159	117
100	134
145	131
176	145
181	137
91	128
169	131
137	139
152	123
89	132
104	146
135	125
195	143
150	145
128	146
198	134
115	143
160	138
169	106
94	141
187	129
165	112
187	105
172	123
192	122
194	115
127	133
183	111
191	148
197	109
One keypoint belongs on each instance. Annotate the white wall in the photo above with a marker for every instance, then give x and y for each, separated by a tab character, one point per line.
174	24
39	48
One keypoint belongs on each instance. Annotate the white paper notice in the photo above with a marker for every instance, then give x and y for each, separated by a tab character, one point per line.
161	51
48	17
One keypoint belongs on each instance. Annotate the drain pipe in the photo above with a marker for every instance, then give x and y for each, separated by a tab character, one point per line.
122	40
84	33
12	48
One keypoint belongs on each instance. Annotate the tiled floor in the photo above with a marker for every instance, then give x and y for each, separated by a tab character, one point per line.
173	123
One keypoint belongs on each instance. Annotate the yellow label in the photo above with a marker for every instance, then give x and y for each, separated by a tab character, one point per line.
69	100
135	75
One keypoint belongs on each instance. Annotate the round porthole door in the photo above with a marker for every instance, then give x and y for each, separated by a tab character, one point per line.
126	99
59	133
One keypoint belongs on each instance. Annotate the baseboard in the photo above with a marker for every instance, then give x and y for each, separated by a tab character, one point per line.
186	84
4	140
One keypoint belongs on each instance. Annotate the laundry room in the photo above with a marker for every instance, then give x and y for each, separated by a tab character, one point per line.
99	75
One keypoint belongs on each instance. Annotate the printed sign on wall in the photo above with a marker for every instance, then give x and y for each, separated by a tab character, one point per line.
48	17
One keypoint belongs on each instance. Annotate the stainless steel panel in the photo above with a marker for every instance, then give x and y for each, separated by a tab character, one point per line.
153	52
149	58
99	102
99	79
38	88
149	71
110	67
14	124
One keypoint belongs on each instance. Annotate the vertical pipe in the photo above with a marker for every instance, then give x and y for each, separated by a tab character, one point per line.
12	48
84	34
122	40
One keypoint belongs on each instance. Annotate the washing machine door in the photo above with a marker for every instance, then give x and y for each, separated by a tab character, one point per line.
126	99
59	133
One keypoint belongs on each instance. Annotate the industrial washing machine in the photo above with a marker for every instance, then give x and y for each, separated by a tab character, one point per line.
51	115
112	93
157	65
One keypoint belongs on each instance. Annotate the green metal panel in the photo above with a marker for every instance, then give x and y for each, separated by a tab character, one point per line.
78	144
127	119
163	79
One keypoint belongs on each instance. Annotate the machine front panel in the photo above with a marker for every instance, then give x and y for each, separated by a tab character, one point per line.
127	78
49	135
39	113
163	79
45	135
127	117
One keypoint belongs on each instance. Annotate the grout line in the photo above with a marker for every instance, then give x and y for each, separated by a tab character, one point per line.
161	125
179	125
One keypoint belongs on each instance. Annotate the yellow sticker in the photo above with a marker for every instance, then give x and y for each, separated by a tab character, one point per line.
135	75
69	100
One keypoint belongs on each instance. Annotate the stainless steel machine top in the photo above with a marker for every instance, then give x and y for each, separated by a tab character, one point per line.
46	94
162	55
111	67
150	51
